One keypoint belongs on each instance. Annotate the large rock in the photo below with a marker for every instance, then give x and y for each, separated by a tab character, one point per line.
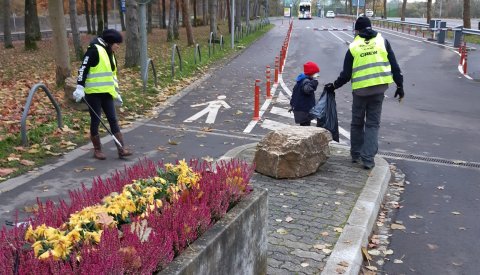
292	152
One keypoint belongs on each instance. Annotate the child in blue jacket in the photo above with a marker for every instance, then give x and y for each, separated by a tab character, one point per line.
303	95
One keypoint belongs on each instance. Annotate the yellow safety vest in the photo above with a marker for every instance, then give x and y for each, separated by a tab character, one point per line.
370	62
101	78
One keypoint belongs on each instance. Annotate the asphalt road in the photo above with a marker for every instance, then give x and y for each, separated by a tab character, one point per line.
434	128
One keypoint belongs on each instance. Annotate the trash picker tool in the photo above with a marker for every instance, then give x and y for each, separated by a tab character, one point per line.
103	124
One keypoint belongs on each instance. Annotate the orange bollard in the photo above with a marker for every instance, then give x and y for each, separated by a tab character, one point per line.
276	70
256	106
280	63
465	61
462	54
268	83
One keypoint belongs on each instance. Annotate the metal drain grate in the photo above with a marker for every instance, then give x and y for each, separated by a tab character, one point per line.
460	163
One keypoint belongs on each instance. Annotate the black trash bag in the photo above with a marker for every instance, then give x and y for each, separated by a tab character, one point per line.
325	111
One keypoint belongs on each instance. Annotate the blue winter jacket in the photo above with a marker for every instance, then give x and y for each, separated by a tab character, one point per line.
303	95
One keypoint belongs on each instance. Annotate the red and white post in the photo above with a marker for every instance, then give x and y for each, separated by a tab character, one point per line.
256	106
269	96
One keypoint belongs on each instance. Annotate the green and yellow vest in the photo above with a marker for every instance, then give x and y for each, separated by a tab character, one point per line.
101	78
370	63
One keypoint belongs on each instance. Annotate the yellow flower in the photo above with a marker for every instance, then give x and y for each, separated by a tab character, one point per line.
74	236
62	247
30	234
45	255
37	246
93	236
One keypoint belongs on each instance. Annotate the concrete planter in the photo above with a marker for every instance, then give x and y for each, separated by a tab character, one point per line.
237	244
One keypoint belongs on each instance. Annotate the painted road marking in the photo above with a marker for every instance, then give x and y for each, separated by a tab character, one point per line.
211	109
281	112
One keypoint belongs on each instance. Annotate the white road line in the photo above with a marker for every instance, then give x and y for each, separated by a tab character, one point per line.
254	122
460	69
281	112
282	98
344	132
284	87
418	41
344	41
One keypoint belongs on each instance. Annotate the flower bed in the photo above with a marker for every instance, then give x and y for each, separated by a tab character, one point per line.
134	222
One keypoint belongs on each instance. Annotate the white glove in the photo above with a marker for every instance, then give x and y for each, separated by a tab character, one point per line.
79	93
118	100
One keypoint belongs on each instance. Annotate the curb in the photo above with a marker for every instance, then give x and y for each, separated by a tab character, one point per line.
354	236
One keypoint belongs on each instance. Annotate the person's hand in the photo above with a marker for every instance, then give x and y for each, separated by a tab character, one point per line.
79	93
400	93
290	110
330	87
118	100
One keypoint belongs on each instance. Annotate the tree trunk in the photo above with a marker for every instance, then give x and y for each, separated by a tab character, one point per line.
132	45
212	8
204	12
30	41
164	14
373	8
105	14
171	21
466	14
149	17
75	33
229	17
194	13
186	22
176	32
62	58
429	10
92	6
87	16
122	16
7	32
385	15
247	15
404	8
445	13
36	22
99	17
238	16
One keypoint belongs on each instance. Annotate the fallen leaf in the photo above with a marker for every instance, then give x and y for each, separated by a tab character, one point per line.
337	203
288	219
398	226
282	231
294	194
239	112
105	219
371	267
415	216
462	228
338	229
388	252
278	220
27	162
365	254
374	252
206	129
340	270
161	148
208	159
304	264
441	187
324	234
319	246
343	263
432	246
172	142
327	251
6	171
456	213
457	264
88	168
397	261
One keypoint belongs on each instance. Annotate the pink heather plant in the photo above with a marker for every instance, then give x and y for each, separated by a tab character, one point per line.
145	244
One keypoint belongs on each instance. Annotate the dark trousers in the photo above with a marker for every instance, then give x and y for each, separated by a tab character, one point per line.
99	102
366	115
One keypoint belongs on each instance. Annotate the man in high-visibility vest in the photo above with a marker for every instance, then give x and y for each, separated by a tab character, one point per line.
370	64
97	85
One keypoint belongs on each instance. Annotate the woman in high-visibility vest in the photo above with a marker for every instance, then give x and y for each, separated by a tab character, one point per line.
371	65
97	84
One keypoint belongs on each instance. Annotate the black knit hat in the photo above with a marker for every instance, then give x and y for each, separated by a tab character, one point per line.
112	36
362	23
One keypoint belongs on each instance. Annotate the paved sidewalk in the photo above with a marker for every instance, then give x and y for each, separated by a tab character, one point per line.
318	223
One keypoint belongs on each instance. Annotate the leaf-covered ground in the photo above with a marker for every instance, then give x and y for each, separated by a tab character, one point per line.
20	70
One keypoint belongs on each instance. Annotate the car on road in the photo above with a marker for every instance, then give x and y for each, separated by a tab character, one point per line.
330	14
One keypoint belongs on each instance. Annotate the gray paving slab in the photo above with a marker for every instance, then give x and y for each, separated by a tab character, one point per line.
322	220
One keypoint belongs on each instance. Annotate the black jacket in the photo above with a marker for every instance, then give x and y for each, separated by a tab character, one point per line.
303	94
91	59
346	74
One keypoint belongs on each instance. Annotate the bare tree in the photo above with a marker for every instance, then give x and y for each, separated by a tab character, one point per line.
99	17
176	31
212	8
404	8
186	22
429	10
36	22
194	13
132	47
7	32
122	17
238	16
204	12
30	41
105	14
466	14
164	14
385	15
92	5
229	17
87	16
62	58
75	33
171	21
247	16
149	17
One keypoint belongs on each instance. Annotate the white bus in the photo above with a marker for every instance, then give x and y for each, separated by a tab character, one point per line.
305	10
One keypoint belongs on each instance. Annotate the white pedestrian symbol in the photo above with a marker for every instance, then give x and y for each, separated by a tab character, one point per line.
212	109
